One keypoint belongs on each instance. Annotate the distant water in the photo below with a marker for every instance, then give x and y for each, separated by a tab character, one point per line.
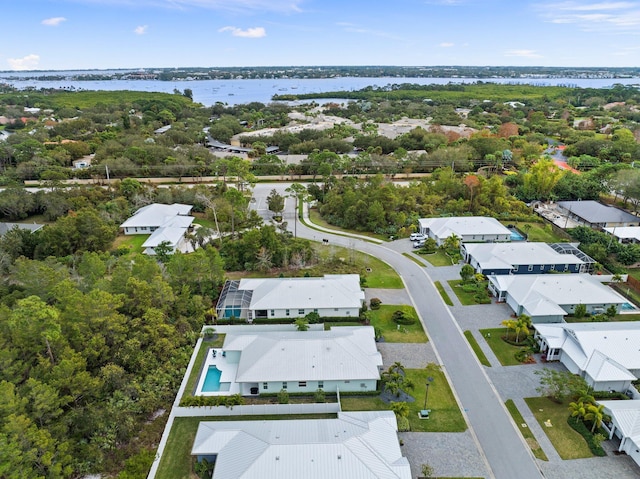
233	92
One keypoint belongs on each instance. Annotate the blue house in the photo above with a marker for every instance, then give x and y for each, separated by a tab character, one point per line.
525	258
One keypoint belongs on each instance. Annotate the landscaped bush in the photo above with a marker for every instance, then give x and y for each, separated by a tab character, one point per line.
400	317
593	444
609	395
375	303
403	424
283	397
470	287
228	401
319	396
482	298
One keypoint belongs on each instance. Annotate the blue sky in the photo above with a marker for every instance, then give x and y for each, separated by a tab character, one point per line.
83	34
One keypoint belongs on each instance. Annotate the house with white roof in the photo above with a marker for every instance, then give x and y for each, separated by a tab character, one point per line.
333	295
166	224
355	445
470	229
606	354
625	234
520	258
625	424
547	298
341	359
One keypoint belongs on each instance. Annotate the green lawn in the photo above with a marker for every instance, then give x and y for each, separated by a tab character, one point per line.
412	333
443	293
553	420
467	299
195	372
503	351
525	431
132	242
415	259
176	462
439	258
445	415
538	231
476	349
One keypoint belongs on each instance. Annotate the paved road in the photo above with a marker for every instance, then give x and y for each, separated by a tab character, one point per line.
506	453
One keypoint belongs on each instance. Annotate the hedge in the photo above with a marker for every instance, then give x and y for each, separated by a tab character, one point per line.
580	428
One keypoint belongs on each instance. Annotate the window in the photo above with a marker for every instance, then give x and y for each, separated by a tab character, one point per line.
315	310
530	267
302	384
541	267
566	267
284	385
273	313
335	309
320	384
286	312
553	267
301	311
265	385
347	382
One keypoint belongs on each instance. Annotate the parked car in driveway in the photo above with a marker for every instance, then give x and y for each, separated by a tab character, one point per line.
418	244
417	237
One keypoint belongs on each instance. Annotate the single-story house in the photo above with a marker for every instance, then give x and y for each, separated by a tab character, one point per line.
547	298
470	229
625	234
606	355
596	215
6	227
333	295
344	359
162	129
625	424
520	258
151	217
361	445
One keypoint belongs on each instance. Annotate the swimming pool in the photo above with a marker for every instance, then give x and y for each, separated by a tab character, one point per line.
516	236
628	307
212	382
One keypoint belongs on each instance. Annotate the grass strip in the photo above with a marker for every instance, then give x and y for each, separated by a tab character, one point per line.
414	259
525	431
443	293
476	349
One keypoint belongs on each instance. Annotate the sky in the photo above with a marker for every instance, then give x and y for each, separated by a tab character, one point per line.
110	34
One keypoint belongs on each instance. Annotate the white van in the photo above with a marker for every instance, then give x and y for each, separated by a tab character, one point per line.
417	237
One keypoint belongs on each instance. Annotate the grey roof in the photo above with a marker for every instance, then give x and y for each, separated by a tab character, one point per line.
340	354
6	227
355	445
595	212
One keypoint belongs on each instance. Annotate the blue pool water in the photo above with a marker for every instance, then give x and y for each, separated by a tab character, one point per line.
628	307
515	236
212	380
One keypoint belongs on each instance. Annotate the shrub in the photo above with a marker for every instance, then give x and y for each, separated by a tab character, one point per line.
283	397
400	317
482	298
312	318
375	303
593	443
403	424
319	396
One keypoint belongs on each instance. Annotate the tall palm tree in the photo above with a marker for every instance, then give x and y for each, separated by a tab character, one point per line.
595	413
401	408
577	409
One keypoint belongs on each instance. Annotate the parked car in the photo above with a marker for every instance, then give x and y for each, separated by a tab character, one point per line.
418	244
417	237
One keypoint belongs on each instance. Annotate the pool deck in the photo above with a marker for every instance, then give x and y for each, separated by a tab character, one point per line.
228	374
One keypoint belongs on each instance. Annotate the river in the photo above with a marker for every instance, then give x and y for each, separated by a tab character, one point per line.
233	92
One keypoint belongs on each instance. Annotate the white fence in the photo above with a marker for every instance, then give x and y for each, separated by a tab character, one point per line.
608	278
257	328
258	410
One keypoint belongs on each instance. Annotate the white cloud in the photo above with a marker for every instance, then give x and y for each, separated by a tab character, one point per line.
29	62
446	44
257	32
141	29
522	53
53	21
608	17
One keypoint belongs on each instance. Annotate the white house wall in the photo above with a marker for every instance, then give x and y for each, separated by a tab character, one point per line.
569	363
301	313
312	386
619	386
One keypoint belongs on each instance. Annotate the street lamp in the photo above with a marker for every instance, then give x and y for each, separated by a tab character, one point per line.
426	394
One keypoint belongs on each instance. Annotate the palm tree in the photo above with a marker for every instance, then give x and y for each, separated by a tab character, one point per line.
577	409
509	324
522	325
401	408
595	413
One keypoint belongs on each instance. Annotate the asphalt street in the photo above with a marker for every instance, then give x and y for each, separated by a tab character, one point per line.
506	453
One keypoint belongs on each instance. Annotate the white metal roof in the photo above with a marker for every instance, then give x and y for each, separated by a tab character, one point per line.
626	416
560	289
156	215
356	445
602	368
330	291
341	354
625	232
617	341
464	226
168	234
508	255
